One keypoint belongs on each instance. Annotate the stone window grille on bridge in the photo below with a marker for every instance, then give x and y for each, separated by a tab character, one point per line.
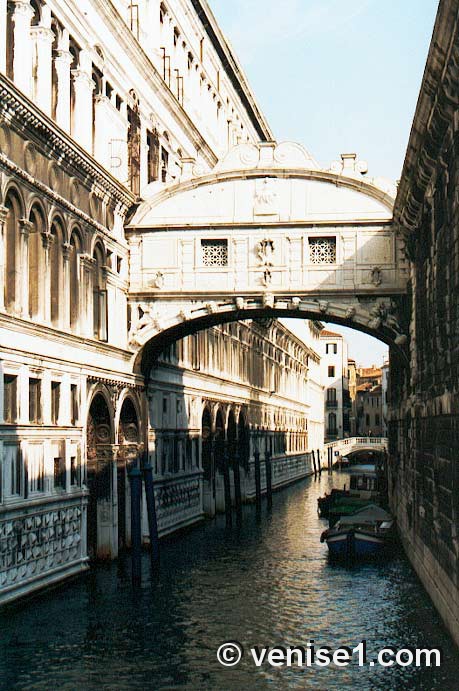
322	250
214	252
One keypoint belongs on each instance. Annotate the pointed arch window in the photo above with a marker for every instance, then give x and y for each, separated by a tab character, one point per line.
56	267
74	282
11	250
36	263
100	317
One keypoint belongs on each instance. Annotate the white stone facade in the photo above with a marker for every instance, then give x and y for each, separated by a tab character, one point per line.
334	366
99	106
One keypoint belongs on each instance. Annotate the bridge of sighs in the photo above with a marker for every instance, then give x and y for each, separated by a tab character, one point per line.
267	233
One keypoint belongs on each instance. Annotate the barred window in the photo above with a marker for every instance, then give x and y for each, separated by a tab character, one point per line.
322	250
214	252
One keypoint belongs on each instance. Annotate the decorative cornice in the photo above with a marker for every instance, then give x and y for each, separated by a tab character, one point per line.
435	109
51	194
116	383
22	114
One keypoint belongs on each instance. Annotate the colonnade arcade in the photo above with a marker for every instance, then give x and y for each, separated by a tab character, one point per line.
113	443
55	271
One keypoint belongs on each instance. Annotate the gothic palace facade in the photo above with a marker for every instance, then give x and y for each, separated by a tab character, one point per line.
97	108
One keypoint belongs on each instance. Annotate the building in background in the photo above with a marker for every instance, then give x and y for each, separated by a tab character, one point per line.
369	402
223	393
337	404
385	397
352	379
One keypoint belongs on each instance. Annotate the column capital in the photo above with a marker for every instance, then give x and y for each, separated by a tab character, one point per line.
22	7
87	262
83	78
42	33
25	226
47	239
3	213
67	250
63	57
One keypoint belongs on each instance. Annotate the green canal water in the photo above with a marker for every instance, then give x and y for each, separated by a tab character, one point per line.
265	583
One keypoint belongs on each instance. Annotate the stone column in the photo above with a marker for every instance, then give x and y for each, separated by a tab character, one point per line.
103	127
42	40
22	276
62	61
3	25
67	250
3	215
47	239
22	45
135	261
83	86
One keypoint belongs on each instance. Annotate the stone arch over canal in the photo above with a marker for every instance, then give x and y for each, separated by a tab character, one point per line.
267	234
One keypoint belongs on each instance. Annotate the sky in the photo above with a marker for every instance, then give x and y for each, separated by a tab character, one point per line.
337	76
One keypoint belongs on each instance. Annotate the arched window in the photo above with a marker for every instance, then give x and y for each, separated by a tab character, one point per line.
11	250
35	261
99	295
74	292
56	267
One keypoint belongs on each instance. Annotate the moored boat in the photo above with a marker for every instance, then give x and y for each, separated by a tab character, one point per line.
366	533
365	488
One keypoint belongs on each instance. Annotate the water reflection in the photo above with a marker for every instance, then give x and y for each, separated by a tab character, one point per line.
267	583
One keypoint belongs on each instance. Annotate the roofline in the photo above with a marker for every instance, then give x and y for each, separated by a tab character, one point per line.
233	68
430	101
283	173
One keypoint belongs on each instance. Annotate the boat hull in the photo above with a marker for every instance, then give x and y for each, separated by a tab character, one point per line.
355	544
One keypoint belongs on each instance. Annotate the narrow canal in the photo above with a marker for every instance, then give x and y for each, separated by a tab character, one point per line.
263	584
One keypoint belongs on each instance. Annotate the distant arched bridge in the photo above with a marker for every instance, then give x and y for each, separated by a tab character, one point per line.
345	447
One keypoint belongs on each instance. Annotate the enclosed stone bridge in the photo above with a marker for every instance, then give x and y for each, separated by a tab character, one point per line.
267	233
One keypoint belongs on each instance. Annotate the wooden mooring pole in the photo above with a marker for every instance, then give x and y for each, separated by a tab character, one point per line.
319	462
256	455
237	487
314	463
227	488
151	512
135	477
269	481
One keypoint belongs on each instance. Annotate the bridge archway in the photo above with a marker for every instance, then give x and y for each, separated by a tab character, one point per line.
153	337
267	234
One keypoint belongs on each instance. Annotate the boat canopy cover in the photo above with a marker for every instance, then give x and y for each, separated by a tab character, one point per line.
368	514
